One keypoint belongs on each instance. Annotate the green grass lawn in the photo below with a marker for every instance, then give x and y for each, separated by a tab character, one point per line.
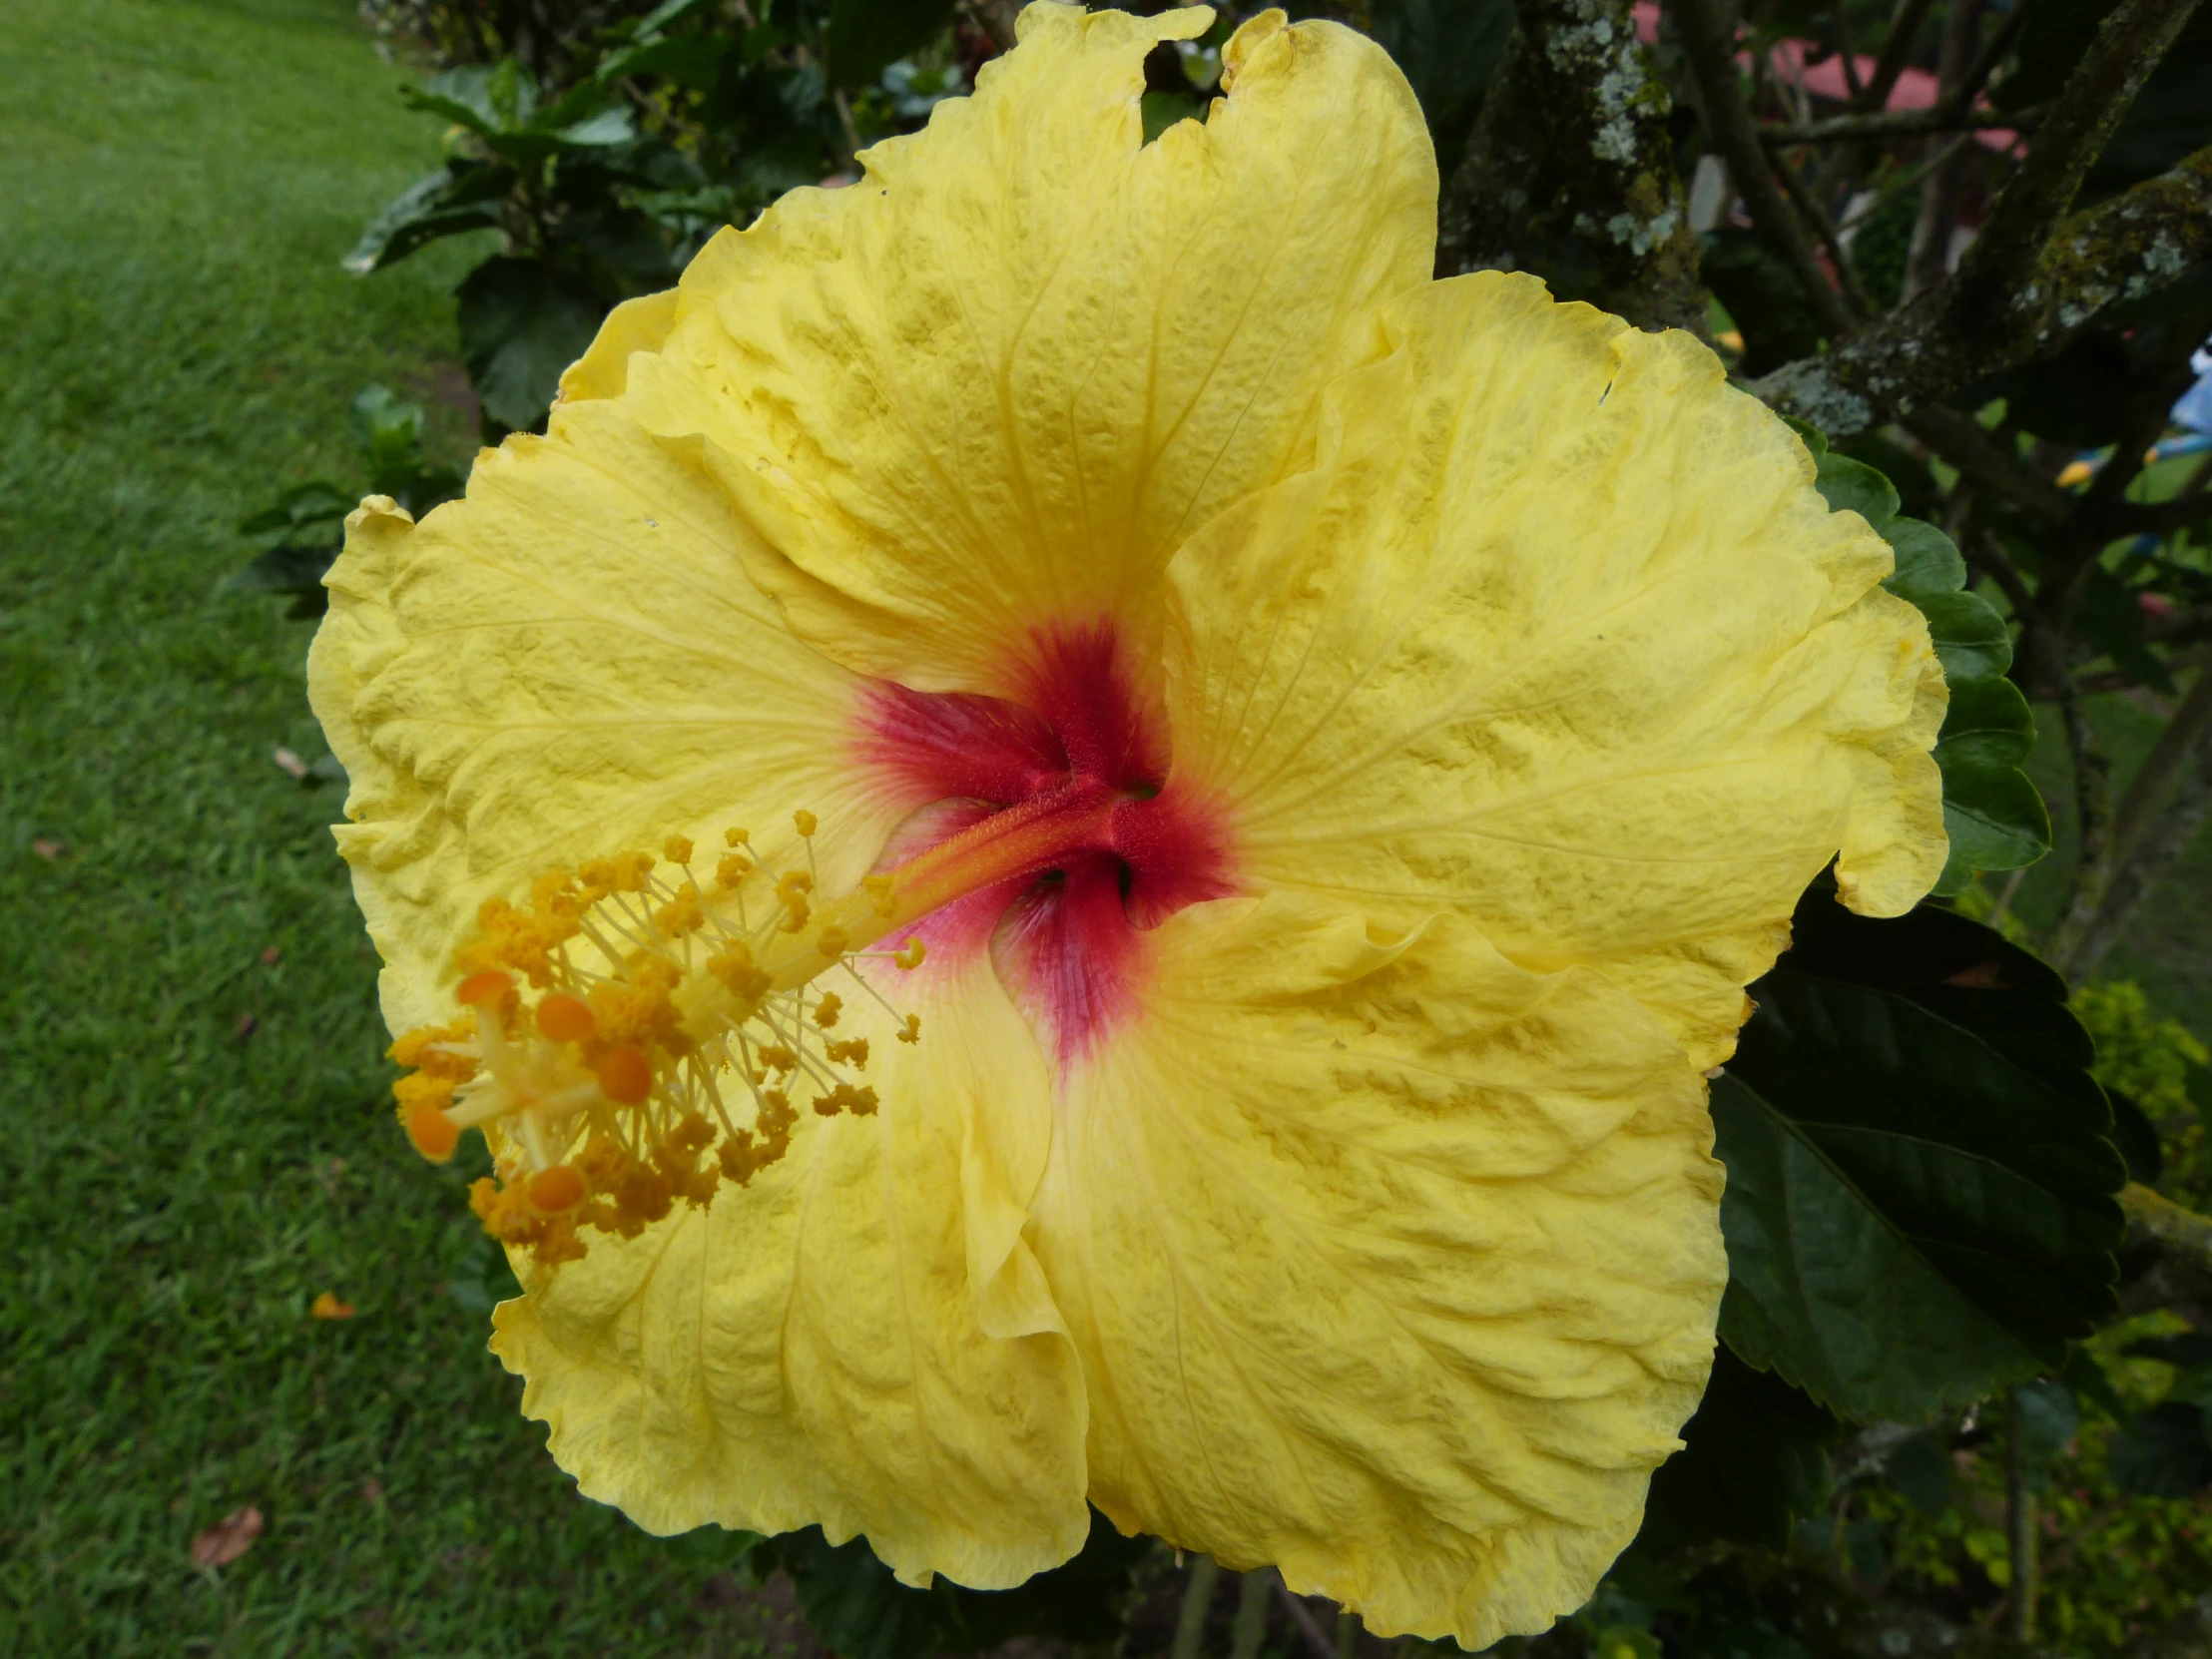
197	1136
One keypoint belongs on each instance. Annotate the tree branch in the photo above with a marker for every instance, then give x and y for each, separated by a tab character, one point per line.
1571	151
1892	124
1577	124
2127	248
1709	41
1961	441
1927	261
1897	52
2159	845
2128	46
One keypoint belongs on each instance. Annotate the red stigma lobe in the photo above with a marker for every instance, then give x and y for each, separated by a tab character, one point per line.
1078	747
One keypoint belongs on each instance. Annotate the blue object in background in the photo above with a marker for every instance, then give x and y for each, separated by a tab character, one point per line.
2195	408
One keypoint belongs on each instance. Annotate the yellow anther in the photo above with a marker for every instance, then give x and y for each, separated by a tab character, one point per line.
682	914
736	837
677	849
805	822
631	871
828	1010
857	1099
831	944
734	967
794	880
912	1032
777	1057
731	869
795	905
909	954
853	1053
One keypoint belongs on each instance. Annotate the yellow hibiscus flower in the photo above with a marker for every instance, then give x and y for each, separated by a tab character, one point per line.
1314	753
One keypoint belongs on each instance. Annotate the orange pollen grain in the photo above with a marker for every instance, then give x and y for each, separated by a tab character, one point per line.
563	1018
432	1131
480	988
556	1189
625	1077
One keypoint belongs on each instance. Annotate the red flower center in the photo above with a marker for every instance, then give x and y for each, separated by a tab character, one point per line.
1078	748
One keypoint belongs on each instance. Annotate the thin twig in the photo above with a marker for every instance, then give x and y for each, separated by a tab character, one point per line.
1894	124
1824	228
1709	42
1897	52
1843	48
1302	1616
1960	440
1198	1601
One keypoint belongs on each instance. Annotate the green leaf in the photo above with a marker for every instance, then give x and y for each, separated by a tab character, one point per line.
521	325
2086	1378
1987	727
1995	821
301	506
1971	641
1854	486
485	99
292	569
1163	110
1994	816
1753	1459
1928	562
865	35
461	197
1920	1189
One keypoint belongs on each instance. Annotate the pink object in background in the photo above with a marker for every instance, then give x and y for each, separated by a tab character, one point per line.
1914	89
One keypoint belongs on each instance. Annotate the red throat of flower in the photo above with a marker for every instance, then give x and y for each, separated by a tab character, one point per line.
1065	797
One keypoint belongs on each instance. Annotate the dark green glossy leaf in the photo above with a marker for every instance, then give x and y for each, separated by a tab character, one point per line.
1987	727
1971	641
459	197
521	325
1995	821
1854	486
1918	1202
864	35
1928	562
1753	1459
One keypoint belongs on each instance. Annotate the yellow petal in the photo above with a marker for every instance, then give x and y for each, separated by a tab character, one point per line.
640	324
1392	1264
994	383
569	662
1561	637
859	1338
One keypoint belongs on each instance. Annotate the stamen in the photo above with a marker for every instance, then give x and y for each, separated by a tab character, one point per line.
599	1020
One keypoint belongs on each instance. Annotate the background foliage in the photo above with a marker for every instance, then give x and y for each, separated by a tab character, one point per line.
1960	1405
